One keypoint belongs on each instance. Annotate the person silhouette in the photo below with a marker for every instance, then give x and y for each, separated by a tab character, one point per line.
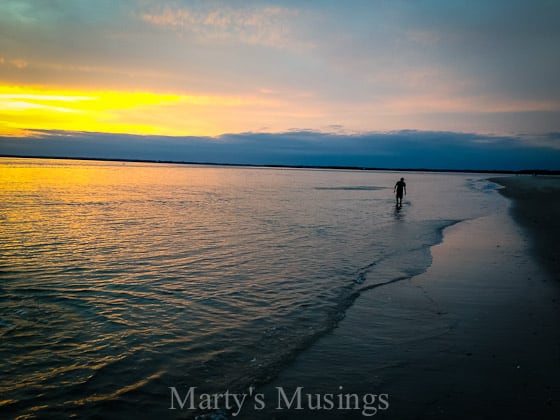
400	187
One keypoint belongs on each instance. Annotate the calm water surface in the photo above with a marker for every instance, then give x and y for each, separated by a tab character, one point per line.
119	280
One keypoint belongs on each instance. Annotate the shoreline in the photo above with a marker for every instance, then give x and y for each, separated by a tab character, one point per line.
288	166
475	336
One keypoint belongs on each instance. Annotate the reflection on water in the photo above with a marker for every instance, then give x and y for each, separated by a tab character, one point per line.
118	280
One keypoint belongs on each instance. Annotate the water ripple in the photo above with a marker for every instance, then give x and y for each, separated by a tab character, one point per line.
118	281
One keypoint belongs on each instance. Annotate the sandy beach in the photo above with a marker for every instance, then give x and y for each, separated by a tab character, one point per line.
536	206
475	336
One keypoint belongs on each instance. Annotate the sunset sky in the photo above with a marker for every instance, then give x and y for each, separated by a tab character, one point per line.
210	70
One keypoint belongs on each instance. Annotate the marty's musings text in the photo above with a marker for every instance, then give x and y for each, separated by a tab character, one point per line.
284	399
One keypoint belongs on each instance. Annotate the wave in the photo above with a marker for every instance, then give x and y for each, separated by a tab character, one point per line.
280	345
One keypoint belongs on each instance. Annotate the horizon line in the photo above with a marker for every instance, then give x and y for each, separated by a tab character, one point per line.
526	171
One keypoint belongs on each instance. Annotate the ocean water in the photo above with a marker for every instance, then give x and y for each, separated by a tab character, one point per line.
120	280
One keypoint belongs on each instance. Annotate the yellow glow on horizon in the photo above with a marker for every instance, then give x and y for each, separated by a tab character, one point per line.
24	109
31	108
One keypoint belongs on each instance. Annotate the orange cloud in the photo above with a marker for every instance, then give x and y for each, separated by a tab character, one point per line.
15	62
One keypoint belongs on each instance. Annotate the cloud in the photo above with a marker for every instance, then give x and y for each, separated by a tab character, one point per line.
399	149
545	140
265	26
18	63
481	66
504	47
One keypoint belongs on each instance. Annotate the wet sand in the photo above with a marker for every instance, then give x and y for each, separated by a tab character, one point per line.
536	206
475	336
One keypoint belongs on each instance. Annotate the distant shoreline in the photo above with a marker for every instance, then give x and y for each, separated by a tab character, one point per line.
335	167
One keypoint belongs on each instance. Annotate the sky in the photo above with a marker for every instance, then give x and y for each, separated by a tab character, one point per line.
422	82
